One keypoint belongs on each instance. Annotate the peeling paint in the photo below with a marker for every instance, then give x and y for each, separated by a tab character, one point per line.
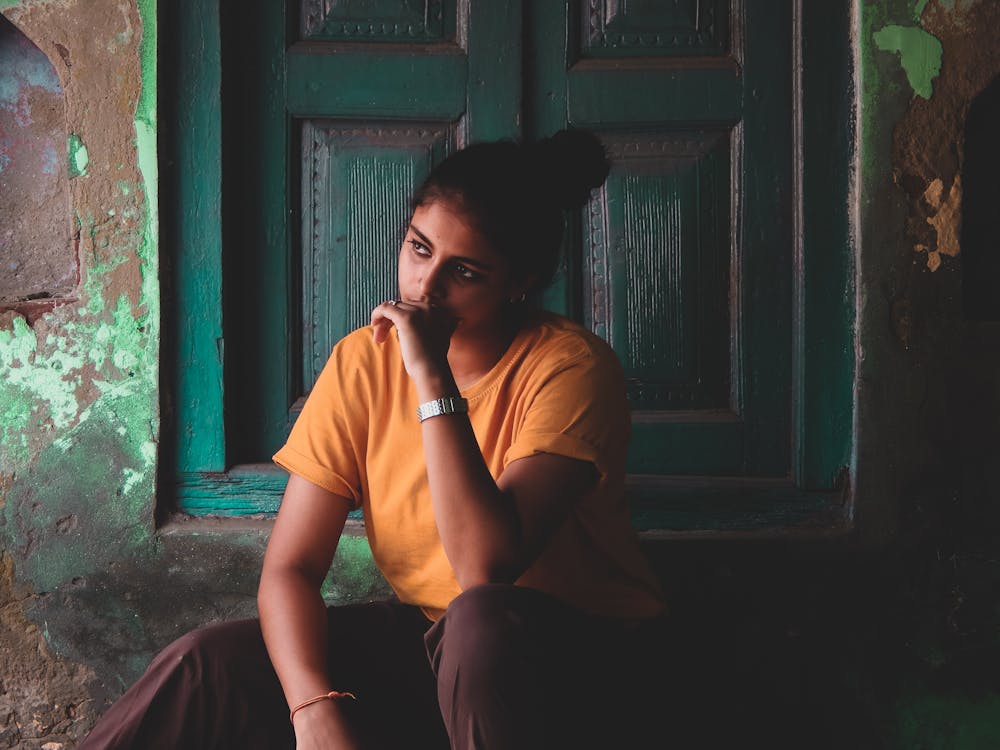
946	218
919	53
76	156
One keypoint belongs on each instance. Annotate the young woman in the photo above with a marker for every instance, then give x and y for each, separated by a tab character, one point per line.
484	441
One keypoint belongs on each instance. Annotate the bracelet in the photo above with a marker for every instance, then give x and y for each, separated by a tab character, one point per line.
332	695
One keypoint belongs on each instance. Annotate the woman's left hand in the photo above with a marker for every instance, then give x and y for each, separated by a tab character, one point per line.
424	334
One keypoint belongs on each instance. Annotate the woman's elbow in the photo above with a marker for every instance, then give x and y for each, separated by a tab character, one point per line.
484	572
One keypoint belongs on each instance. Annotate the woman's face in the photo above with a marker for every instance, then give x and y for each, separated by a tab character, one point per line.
447	263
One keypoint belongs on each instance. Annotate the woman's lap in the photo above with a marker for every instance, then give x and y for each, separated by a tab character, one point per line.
564	672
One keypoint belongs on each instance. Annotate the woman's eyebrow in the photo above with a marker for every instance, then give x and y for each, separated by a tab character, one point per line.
477	264
423	237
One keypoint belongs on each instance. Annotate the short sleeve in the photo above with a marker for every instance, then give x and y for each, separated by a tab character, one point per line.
326	444
579	411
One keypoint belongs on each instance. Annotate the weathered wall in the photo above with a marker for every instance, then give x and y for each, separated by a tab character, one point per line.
89	589
78	403
892	646
929	380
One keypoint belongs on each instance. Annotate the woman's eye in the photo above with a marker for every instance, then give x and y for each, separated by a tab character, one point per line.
467	273
419	248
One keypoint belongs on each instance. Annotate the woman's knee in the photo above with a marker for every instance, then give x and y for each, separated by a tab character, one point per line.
211	648
490	627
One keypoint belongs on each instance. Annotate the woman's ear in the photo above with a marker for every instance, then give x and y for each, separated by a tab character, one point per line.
520	289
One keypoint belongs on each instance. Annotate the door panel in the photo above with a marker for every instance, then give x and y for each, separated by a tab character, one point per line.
683	27
378	20
355	186
380	93
685	254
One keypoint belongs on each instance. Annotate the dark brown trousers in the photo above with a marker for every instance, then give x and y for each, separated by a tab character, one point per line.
505	668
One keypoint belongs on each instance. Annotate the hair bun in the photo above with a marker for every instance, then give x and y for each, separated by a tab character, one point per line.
571	163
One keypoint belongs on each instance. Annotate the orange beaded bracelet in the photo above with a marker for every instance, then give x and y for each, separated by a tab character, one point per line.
332	695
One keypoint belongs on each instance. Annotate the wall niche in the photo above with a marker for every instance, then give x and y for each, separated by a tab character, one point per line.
37	250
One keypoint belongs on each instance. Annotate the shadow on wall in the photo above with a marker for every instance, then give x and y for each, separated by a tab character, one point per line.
981	207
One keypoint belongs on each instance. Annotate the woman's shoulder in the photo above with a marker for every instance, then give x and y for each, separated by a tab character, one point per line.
554	335
356	355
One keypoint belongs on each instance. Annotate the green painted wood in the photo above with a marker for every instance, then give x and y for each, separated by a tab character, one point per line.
261	272
606	93
196	265
495	72
660	505
700	442
659	248
544	113
392	21
245	490
824	319
766	267
356	186
388	83
680	28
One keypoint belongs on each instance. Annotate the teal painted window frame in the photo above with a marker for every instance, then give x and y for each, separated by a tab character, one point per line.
198	478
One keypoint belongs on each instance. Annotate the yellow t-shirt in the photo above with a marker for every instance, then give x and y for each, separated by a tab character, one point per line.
558	389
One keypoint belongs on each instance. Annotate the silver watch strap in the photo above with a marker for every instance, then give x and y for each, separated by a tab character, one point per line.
446	405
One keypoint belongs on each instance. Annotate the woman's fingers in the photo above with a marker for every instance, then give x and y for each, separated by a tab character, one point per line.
382	319
424	331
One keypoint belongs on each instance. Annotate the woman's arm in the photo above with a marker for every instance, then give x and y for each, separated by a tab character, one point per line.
491	530
291	608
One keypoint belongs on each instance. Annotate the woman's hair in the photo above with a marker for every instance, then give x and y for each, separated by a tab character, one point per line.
515	194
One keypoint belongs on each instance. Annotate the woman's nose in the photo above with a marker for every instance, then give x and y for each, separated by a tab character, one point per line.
430	283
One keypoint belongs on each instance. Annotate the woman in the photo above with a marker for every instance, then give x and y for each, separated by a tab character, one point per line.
485	443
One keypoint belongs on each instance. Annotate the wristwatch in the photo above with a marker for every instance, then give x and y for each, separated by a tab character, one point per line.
446	405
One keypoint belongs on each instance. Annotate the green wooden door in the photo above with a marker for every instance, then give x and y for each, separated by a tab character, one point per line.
683	261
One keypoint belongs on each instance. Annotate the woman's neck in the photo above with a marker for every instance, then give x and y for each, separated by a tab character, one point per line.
473	355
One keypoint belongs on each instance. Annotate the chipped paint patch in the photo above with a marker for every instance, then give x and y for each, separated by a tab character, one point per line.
77	158
32	376
945	218
919	53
